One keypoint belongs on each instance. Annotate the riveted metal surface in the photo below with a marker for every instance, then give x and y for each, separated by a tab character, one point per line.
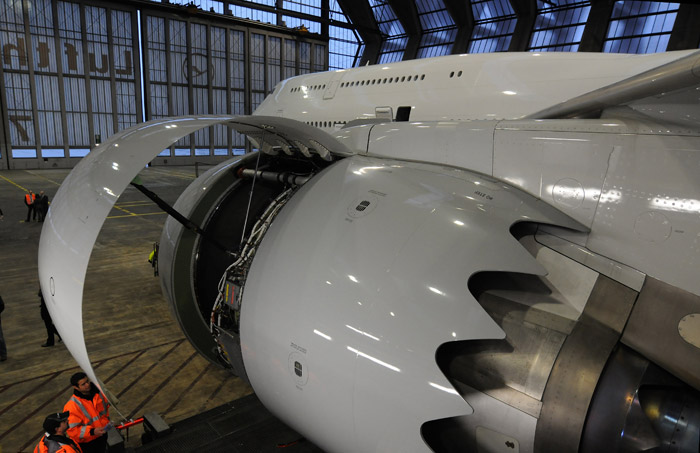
579	365
652	329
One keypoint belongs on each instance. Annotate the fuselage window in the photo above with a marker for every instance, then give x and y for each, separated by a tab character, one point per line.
422	77
403	78
452	74
459	74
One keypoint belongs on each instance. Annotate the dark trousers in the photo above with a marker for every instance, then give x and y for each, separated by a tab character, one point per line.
3	348
50	330
31	211
98	445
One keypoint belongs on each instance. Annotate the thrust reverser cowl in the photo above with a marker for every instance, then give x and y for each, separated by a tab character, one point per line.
370	262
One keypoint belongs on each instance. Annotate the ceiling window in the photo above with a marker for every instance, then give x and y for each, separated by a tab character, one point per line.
494	23
439	30
344	44
394	36
559	26
640	26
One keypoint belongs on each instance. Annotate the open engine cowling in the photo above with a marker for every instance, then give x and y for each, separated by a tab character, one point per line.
377	304
362	275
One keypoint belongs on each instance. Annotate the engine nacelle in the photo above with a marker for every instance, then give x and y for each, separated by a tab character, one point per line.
381	304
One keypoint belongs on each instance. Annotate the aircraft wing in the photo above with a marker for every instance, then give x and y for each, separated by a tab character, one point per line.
668	93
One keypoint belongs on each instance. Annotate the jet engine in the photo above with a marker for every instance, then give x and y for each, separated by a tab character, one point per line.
383	304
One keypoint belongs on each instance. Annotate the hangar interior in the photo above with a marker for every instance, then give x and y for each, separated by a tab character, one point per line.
76	72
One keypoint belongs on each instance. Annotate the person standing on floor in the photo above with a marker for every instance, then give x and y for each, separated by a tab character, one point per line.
42	205
89	415
48	322
29	199
3	347
55	439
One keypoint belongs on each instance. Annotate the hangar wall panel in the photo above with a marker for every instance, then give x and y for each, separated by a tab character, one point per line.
70	78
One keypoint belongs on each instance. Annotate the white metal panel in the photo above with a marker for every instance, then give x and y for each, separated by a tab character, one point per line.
463	144
648	213
354	138
565	169
78	211
91	189
361	299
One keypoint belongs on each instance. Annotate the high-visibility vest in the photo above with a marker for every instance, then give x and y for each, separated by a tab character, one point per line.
43	447
30	197
85	415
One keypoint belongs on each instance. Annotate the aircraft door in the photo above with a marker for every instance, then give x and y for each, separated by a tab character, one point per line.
333	85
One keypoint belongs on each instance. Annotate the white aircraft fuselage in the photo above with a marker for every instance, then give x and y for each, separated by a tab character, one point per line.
461	253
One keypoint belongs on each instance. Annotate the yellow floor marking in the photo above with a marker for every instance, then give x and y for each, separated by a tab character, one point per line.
134	215
14	183
133	203
43	177
123	210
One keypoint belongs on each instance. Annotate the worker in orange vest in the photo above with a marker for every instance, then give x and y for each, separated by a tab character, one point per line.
29	200
89	415
55	439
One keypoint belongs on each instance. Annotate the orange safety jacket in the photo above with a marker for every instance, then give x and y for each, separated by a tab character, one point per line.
29	198
85	415
47	445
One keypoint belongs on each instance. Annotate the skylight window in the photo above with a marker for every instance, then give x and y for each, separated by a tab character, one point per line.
640	26
439	30
395	38
494	23
559	27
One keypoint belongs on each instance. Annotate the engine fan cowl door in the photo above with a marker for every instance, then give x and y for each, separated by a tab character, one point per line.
359	280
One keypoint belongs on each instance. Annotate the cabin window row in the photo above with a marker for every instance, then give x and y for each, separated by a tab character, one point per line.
312	87
382	81
411	78
325	123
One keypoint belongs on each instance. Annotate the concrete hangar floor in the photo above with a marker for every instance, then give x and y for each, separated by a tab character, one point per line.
135	345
